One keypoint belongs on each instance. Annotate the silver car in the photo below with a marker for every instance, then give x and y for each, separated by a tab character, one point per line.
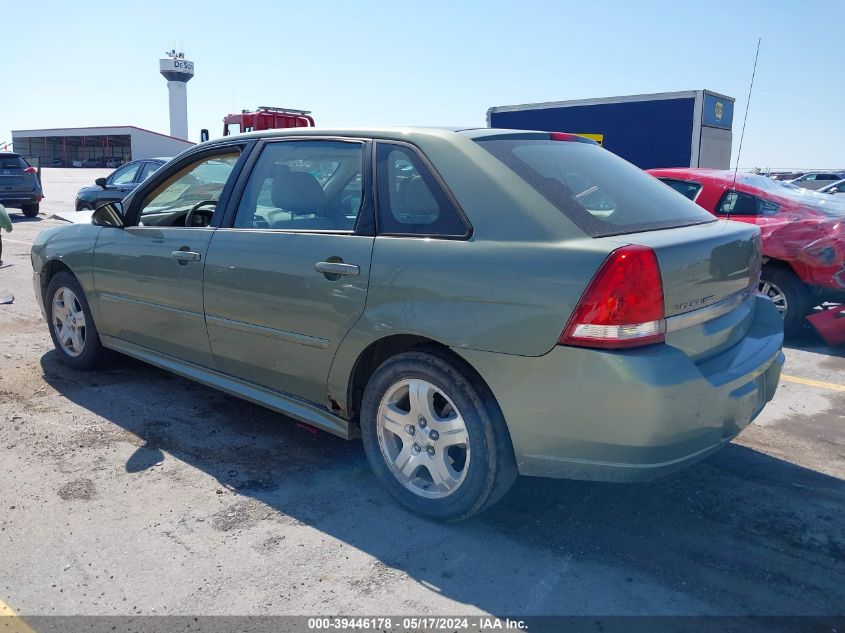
817	179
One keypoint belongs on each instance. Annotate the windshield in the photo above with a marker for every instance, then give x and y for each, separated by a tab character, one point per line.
825	203
600	192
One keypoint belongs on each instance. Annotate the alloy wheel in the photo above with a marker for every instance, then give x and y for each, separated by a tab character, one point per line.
423	438
773	292
69	321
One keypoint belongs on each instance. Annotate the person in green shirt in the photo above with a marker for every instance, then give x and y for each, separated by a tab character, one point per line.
5	223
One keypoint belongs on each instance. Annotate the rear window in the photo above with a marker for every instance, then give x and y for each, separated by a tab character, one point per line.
12	162
600	192
686	188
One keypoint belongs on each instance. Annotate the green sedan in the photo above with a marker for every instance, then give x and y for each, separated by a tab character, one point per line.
474	304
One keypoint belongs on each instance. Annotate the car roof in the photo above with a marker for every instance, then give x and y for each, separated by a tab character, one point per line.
8	154
681	172
725	177
397	133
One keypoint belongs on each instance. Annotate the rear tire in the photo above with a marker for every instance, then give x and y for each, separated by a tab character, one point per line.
30	210
71	323
789	294
437	441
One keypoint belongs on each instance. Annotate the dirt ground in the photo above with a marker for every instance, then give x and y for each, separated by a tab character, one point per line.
133	491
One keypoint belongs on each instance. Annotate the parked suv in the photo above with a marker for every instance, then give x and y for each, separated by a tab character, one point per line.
473	304
117	184
19	184
816	180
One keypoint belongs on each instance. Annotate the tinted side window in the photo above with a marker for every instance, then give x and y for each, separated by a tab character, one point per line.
764	207
148	170
203	181
304	186
410	200
124	175
738	203
688	189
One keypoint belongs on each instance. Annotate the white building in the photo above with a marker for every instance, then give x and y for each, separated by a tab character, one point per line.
119	144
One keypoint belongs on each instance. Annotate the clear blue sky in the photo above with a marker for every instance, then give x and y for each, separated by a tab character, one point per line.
428	62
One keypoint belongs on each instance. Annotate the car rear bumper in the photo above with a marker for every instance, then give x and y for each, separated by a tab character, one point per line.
16	199
631	415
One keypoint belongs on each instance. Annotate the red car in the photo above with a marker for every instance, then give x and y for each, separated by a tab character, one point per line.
803	233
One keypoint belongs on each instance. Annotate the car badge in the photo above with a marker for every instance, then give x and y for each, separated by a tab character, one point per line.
695	303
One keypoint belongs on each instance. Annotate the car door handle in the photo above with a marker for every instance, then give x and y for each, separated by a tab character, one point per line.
185	256
337	268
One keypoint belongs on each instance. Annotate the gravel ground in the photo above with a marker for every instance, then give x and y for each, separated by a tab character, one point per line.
133	491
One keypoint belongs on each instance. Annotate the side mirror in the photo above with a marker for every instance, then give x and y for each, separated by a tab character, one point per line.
100	182
109	214
203	135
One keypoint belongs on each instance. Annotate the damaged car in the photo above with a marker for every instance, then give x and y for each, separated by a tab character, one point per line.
803	234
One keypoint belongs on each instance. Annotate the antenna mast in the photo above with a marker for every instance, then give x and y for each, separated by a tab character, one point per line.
745	118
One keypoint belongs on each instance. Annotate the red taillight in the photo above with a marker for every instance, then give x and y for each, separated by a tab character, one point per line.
563	136
30	170
572	138
622	306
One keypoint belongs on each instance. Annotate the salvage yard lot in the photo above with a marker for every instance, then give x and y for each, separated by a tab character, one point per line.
133	491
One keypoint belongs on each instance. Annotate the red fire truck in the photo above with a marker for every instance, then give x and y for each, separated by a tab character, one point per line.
266	118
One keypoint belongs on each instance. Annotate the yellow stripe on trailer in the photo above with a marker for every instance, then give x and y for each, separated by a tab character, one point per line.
598	138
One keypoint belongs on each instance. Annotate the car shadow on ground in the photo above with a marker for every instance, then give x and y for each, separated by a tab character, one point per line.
808	340
740	533
17	216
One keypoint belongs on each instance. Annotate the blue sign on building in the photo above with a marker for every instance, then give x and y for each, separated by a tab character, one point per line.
718	111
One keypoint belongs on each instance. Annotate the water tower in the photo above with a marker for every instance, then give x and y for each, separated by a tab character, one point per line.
178	72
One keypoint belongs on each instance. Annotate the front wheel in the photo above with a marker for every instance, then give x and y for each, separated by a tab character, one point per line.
84	206
789	294
71	323
435	439
30	210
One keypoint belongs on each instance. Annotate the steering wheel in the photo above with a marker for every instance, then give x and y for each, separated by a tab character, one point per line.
189	217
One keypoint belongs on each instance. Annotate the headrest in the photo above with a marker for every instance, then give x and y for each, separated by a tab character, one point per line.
414	198
297	192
